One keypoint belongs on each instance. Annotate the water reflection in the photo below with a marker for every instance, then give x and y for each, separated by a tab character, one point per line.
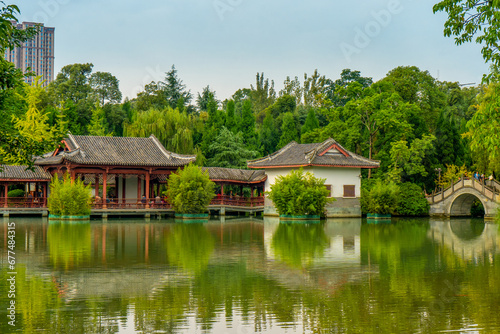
69	244
190	246
299	244
244	275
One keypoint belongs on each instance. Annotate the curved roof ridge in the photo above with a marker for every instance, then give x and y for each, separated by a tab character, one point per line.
275	154
160	146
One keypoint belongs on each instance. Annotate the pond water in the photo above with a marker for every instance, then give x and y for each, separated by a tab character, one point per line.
253	276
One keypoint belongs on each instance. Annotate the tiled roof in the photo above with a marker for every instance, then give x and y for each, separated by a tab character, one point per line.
229	174
118	151
232	174
328	153
20	173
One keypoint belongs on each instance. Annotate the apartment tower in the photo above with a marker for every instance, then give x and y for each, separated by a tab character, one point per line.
36	54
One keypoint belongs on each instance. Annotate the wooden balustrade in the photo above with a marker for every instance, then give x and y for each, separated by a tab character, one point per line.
24	202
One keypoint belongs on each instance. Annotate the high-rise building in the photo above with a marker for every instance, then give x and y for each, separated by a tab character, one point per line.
36	54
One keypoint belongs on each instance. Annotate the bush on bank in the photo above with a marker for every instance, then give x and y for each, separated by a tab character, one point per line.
69	198
190	190
299	194
405	199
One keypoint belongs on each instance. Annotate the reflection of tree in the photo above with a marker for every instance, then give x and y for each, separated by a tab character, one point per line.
164	311
190	246
299	244
69	244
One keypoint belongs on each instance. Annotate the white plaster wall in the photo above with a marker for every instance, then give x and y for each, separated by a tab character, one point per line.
131	187
337	177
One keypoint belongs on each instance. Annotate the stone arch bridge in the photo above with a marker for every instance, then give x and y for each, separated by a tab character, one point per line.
457	200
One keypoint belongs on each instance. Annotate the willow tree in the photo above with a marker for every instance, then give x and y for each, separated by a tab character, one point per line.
174	129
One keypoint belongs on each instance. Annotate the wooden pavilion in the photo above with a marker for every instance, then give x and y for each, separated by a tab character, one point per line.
133	165
36	183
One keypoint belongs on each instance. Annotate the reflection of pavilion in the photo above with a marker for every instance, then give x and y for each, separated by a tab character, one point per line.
471	241
338	264
343	234
132	259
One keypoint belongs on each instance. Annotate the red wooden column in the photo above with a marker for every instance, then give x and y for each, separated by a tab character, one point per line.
104	189
96	185
124	193
139	181
147	190
45	194
6	191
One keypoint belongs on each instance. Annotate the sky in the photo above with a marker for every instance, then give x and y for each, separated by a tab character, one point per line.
224	43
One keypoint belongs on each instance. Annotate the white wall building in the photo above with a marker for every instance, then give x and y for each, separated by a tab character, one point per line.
328	160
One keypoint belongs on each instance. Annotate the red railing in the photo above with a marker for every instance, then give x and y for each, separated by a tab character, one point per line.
134	203
24	202
238	201
131	203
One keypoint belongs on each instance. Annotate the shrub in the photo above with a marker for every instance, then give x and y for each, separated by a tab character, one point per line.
299	194
190	190
382	198
412	201
69	198
16	193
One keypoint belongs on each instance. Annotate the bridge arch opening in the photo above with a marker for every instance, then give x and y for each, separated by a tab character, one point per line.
467	205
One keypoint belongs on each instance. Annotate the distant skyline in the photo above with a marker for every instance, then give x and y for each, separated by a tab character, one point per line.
224	43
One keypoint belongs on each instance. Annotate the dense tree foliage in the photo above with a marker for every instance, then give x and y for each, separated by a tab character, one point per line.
190	190
408	120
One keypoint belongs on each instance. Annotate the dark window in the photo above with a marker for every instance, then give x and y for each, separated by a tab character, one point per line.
349	191
329	188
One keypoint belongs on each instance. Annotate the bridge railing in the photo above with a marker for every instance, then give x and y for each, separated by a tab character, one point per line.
488	188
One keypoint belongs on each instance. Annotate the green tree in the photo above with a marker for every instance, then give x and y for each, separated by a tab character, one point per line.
206	96
10	36
292	88
288	130
97	126
268	135
482	128
314	86
346	78
407	160
382	198
30	134
105	87
262	94
230	116
299	194
174	89
283	104
470	18
411	201
449	147
311	122
228	150
190	190
247	125
172	128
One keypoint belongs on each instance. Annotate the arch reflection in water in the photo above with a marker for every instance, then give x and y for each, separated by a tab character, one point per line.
69	244
471	240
